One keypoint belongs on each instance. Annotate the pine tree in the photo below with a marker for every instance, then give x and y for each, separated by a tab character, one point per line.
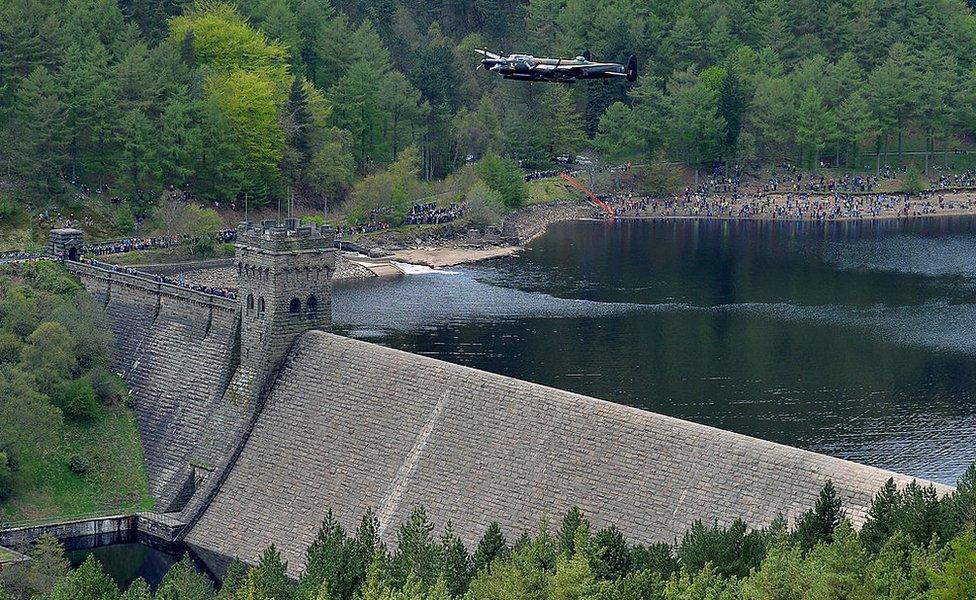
269	580
88	581
138	590
815	125
492	546
39	137
611	555
417	551
184	582
234	580
730	105
456	564
296	121
817	525
572	521
882	517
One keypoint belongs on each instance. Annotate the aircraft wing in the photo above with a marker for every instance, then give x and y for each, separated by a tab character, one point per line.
484	52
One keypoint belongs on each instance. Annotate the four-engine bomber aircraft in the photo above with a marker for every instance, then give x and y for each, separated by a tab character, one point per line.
556	70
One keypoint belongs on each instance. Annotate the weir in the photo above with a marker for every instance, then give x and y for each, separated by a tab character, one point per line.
255	424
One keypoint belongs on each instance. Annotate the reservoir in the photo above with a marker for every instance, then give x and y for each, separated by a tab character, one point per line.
854	339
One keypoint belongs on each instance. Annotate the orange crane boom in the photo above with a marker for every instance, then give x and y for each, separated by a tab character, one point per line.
590	195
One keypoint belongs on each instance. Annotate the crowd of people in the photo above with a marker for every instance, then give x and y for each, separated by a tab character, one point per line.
132	244
534	175
792	206
800	182
965	179
179	280
430	214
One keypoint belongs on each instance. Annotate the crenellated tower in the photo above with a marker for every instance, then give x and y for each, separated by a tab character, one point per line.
284	273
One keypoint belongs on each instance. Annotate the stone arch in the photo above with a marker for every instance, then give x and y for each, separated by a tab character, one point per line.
260	305
312	304
294	306
250	303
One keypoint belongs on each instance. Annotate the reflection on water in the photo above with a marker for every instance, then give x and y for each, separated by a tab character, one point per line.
126	562
853	339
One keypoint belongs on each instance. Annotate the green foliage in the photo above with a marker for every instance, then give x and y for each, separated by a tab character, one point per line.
731	552
388	196
53	382
913	183
79	464
491	547
184	582
482	205
47	354
956	578
503	176
817	525
269	580
77	400
125	222
733	563
6	475
88	581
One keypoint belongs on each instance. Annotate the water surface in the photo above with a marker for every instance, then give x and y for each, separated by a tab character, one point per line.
857	340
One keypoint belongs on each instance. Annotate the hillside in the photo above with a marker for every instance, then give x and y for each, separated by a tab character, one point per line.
69	445
278	98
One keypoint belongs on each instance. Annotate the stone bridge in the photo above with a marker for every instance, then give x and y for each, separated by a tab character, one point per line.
255	424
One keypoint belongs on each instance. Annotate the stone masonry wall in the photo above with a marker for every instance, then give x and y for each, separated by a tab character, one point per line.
351	425
177	350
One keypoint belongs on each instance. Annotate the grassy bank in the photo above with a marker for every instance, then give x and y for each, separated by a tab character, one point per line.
46	487
69	445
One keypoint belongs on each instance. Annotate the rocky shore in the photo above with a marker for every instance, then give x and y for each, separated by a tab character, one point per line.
525	224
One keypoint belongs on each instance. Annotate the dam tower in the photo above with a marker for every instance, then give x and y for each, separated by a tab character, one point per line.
284	273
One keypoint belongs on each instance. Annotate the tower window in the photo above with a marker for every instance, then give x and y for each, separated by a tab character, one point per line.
294	306
313	304
261	305
250	303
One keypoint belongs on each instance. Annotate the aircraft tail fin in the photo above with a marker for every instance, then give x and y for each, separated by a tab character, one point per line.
632	68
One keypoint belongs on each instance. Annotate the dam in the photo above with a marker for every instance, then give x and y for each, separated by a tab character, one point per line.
256	420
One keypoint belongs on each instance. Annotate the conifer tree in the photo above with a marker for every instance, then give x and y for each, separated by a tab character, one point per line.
817	525
269	580
491	546
882	519
39	137
572	521
417	550
88	581
611	555
456	564
138	590
184	582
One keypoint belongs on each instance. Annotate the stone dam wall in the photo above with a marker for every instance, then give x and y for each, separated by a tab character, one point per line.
350	425
177	349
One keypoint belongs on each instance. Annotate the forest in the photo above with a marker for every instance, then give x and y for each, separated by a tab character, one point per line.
914	545
271	99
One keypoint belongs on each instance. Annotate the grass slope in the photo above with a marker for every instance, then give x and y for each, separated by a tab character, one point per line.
45	487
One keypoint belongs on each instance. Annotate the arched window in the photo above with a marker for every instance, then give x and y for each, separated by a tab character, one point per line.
294	306
261	305
250	303
313	304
